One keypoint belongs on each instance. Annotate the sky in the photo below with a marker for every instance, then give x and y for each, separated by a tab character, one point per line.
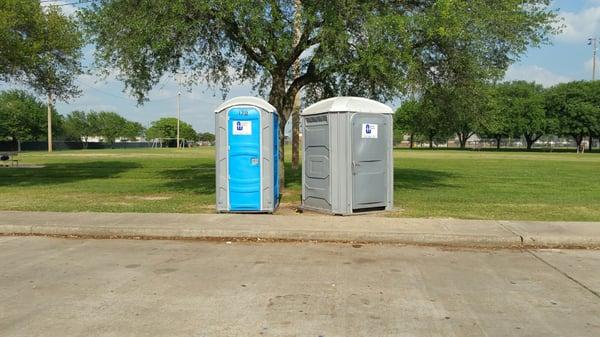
568	58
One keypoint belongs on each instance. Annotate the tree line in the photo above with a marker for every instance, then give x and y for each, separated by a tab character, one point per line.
23	118
517	109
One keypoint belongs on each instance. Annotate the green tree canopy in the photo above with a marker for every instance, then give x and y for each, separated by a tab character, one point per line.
206	137
109	125
423	117
133	130
79	126
496	124
167	128
23	116
406	119
467	45
40	47
20	33
576	105
523	104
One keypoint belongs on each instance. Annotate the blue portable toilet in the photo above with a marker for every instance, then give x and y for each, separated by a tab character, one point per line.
247	154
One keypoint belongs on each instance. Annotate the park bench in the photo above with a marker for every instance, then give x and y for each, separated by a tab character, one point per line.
6	157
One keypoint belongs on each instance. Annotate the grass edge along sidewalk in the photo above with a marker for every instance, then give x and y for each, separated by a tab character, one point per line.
294	228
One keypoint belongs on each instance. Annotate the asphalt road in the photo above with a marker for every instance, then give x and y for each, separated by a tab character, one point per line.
68	287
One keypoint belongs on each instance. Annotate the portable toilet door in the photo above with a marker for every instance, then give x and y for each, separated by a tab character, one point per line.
244	159
246	156
369	160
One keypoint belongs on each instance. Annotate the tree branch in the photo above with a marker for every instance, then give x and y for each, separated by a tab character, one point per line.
236	35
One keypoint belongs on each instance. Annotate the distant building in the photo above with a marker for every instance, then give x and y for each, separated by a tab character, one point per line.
100	139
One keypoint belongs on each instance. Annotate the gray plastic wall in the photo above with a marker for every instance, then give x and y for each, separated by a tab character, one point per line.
327	181
267	163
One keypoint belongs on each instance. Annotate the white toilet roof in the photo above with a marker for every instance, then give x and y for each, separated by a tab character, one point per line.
347	104
246	100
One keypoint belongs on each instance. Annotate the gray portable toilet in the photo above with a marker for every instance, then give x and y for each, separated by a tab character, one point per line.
348	156
247	154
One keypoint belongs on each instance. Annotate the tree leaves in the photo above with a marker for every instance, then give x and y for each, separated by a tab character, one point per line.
40	48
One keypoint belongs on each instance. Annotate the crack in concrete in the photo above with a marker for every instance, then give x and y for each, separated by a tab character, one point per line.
513	232
571	278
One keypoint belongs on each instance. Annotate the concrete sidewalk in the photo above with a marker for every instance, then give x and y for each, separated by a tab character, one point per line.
362	229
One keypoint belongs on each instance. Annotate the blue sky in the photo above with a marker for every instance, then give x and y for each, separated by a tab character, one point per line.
568	58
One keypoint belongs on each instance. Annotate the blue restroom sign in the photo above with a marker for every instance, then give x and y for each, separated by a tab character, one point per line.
369	130
242	128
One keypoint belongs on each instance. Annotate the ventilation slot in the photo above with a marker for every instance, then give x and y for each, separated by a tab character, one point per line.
316	120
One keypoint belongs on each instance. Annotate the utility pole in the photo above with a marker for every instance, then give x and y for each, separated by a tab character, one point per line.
296	72
593	41
178	115
178	79
49	122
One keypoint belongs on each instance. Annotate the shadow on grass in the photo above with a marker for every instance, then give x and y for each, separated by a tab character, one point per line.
60	173
198	179
414	179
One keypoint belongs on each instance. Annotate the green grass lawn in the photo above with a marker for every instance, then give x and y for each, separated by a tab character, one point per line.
457	184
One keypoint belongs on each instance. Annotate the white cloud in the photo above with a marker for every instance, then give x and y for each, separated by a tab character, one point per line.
533	73
579	26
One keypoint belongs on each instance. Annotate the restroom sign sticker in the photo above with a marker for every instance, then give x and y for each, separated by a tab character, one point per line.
369	130
242	128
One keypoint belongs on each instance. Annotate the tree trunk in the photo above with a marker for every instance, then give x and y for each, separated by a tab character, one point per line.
430	142
412	140
462	139
277	99
578	140
529	140
282	123
590	145
296	134
14	144
529	145
297	102
498	140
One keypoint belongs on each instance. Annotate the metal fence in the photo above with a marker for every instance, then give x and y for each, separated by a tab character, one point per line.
549	145
67	145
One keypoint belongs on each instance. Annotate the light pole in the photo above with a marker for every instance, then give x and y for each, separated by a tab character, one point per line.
592	42
178	115
49	122
178	79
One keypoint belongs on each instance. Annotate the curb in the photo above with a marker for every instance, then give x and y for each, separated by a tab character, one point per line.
282	228
418	239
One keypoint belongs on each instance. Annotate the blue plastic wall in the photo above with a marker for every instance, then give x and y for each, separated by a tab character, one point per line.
244	159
